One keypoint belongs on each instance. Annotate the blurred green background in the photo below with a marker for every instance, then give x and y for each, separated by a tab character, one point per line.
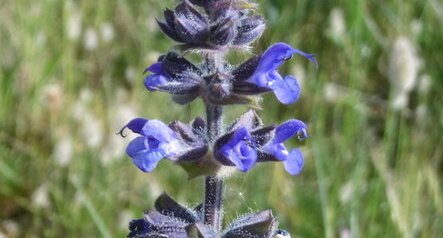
71	77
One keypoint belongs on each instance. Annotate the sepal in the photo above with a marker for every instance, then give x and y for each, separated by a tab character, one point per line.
246	69
260	224
169	207
175	75
185	24
223	33
249	29
224	24
170	219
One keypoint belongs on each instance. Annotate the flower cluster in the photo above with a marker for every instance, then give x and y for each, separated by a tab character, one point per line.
212	25
245	143
170	219
229	85
205	147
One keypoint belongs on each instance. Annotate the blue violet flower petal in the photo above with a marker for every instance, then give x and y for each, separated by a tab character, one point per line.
266	75
288	129
294	163
239	150
157	141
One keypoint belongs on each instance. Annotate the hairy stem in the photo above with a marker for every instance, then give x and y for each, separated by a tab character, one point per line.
213	204
213	208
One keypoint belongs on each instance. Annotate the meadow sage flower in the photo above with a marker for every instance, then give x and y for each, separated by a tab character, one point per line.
248	142
238	150
293	161
260	74
177	142
156	141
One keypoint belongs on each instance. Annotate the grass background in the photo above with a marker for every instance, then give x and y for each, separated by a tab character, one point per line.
71	77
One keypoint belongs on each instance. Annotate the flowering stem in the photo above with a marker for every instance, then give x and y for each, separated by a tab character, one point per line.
213	205
214	119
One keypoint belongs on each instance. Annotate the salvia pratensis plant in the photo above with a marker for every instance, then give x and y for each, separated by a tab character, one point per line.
207	147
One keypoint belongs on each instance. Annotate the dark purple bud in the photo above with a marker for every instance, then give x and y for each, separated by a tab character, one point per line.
166	226
249	29
168	207
168	27
190	24
199	126
260	224
185	24
169	31
169	17
223	33
139	228
175	65
187	10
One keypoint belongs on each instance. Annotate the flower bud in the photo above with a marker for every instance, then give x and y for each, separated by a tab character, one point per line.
223	33
249	29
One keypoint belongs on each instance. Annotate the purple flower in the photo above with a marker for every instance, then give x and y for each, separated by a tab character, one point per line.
260	74
293	161
236	149
157	141
248	142
179	142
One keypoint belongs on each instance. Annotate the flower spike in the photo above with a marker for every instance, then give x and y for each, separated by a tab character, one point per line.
212	28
